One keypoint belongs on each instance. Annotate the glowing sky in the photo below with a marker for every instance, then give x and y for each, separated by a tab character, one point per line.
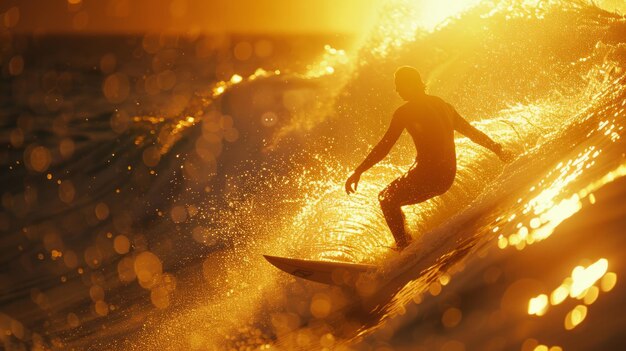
242	16
232	16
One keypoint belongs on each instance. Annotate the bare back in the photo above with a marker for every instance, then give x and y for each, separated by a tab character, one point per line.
430	122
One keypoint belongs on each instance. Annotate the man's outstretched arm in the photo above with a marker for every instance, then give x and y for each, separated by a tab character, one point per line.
480	138
381	149
377	154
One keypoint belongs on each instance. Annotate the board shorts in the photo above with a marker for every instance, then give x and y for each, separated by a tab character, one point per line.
418	184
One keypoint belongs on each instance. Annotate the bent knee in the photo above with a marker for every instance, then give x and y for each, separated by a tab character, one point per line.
382	194
386	198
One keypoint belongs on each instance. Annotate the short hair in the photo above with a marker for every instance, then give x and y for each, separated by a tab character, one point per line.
409	75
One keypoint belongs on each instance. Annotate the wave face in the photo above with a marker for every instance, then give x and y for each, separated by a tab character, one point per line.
138	217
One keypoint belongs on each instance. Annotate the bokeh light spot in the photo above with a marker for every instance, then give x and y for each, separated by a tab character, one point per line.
12	17
121	244
320	305
102	211
151	156
538	305
40	158
160	297
608	281
66	148
101	308
269	119
67	191
80	20
575	317
72	320
126	270
178	214
242	51
147	267
16	65
96	293
451	317
116	87
108	62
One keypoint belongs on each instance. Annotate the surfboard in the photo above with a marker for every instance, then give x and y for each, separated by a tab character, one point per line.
325	272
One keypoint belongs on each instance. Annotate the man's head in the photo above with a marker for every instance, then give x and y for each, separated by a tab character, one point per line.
409	83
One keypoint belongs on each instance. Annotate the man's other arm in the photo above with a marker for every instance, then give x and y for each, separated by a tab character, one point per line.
464	127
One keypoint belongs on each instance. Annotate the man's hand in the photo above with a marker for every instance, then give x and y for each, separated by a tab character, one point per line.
352	183
504	155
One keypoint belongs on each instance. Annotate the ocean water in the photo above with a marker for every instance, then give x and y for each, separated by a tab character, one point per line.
144	177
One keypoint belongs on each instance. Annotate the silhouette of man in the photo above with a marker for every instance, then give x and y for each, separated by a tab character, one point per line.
431	122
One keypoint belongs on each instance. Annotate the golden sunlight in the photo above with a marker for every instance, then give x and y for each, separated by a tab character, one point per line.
433	13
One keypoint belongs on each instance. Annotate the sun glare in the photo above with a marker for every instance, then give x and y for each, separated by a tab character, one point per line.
432	13
399	20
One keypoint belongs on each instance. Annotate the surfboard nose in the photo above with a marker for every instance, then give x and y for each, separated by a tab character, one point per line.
323	272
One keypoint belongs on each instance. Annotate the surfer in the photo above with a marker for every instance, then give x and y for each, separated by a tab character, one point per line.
431	122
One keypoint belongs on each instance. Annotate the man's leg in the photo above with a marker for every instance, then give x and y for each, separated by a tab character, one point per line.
395	219
402	191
